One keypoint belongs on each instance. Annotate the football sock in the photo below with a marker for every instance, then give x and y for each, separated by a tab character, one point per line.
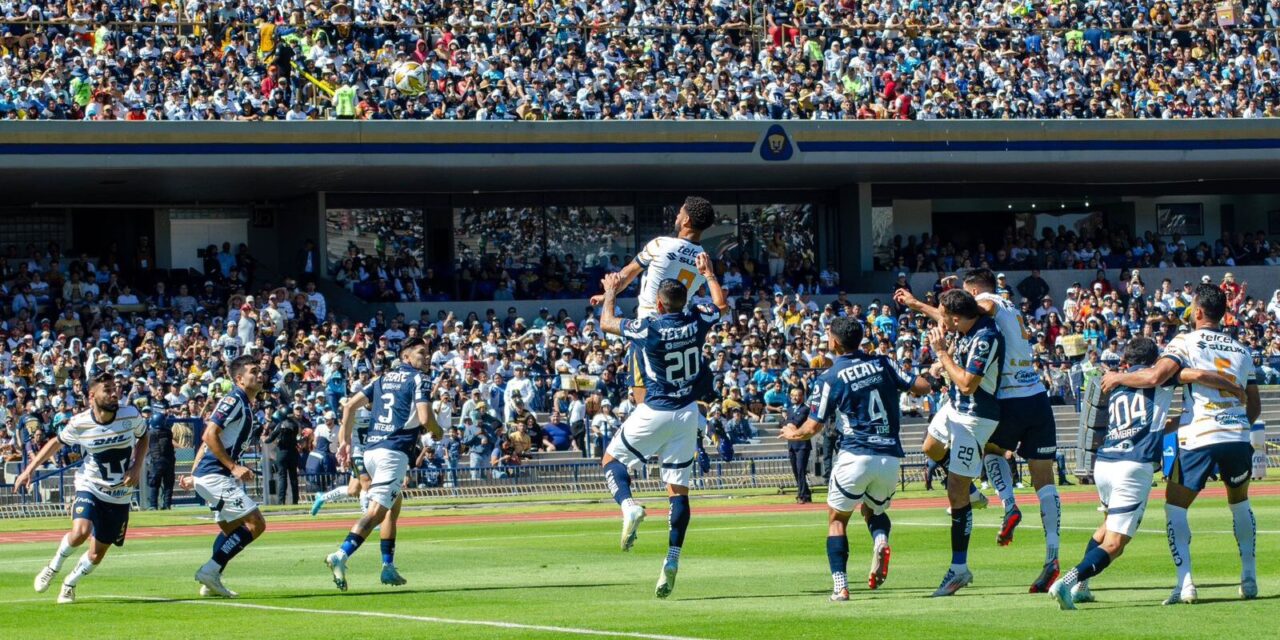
232	544
677	521
619	482
879	526
838	558
1179	531
1050	515
673	554
83	568
1246	529
388	551
64	551
353	542
1094	562
999	474
974	493
961	527
336	493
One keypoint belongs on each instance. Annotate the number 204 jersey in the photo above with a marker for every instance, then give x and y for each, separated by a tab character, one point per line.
108	451
670	349
860	392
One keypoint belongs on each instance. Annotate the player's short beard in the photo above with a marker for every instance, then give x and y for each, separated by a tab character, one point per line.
106	403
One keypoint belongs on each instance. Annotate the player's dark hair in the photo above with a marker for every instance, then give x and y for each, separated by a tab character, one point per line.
673	294
102	377
960	303
981	278
848	332
415	341
1141	351
236	367
701	215
1211	300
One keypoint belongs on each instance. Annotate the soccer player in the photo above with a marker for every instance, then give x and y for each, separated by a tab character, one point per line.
401	407
665	258
218	477
1126	463
358	485
1026	423
957	438
114	446
1213	437
860	392
669	349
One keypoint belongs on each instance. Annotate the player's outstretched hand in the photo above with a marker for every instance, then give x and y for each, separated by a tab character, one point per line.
904	297
611	282
1110	381
938	340
703	263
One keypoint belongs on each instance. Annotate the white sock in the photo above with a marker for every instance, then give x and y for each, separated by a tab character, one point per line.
629	502
64	551
959	568
364	501
211	566
880	538
1246	529
83	568
841	580
1050	516
336	493
999	473
1179	531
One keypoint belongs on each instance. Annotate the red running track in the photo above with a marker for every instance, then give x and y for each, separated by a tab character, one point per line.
206	529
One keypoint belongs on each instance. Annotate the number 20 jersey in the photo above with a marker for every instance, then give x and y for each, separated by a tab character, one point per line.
108	451
860	392
669	348
667	258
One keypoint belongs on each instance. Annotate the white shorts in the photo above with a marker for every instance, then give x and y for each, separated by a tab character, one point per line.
964	438
225	496
670	435
387	469
866	479
1123	487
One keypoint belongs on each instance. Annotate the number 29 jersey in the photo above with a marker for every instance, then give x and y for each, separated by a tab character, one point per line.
108	450
667	258
860	392
669	348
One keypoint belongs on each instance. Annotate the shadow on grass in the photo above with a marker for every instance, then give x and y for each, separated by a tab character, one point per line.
250	598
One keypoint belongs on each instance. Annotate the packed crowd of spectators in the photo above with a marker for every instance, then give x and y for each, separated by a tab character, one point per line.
506	388
653	59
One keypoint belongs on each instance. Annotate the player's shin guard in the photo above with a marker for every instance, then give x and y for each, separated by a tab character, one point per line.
1246	530
353	542
64	551
999	473
1179	532
838	558
388	551
879	526
83	568
230	545
1050	516
678	523
961	528
619	482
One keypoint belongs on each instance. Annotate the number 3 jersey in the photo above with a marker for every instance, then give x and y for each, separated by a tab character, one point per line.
1215	416
667	258
1135	423
108	451
860	392
395	397
670	351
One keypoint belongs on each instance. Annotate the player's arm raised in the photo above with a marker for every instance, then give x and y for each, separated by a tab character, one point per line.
906	299
963	379
349	409
625	277
609	320
718	297
24	479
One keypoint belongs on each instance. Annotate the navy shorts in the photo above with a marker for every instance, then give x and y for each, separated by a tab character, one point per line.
635	374
1232	461
1027	427
110	521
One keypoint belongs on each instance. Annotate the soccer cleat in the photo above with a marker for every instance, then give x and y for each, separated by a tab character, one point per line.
1062	595
1081	593
1248	588
67	595
318	504
631	518
206	592
211	579
390	576
338	565
1047	575
44	578
840	595
953	582
667	579
1012	518
1185	595
879	566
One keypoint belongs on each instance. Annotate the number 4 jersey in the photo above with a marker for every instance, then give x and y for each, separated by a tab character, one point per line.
670	350
108	451
860	392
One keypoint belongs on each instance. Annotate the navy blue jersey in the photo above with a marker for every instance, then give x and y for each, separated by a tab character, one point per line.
670	351
1135	423
980	352
860	392
234	417
395	397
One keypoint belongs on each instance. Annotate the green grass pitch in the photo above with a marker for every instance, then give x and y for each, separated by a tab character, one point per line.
742	576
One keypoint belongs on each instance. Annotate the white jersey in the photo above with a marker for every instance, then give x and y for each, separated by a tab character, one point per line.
361	431
1215	417
1018	378
666	257
108	451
